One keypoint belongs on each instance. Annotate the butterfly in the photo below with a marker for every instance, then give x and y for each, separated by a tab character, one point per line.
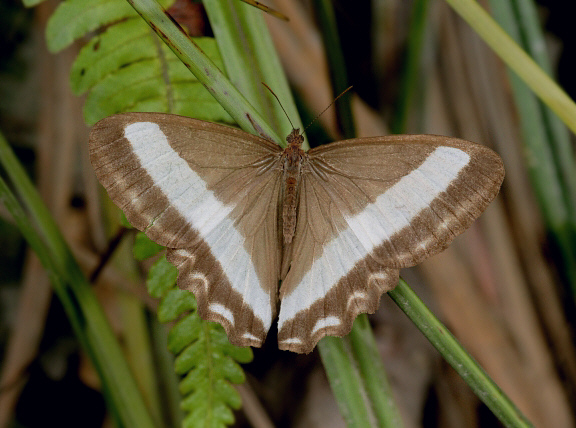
315	237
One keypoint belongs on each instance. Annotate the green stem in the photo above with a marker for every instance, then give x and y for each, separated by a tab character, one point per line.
81	305
410	74
167	379
457	357
518	60
345	381
374	374
247	117
338	74
549	155
251	59
535	45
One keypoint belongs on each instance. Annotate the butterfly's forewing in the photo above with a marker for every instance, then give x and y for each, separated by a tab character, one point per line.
367	208
210	194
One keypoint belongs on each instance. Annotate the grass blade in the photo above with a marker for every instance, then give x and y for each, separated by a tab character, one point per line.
251	59
550	158
81	305
345	382
338	74
457	357
518	60
247	117
411	67
371	367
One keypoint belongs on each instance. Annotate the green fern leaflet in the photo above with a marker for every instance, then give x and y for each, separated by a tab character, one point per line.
206	359
126	67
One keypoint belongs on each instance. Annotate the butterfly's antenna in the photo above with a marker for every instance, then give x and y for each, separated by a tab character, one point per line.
277	99
329	105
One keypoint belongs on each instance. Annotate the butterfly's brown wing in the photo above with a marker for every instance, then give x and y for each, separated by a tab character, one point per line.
210	194
367	208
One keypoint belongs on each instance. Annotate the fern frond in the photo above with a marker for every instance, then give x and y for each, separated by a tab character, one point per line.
208	362
126	67
144	248
73	19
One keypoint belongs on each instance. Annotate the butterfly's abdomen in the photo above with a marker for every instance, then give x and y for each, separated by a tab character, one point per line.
289	208
292	159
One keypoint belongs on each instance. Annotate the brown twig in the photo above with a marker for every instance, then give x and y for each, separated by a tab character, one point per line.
105	257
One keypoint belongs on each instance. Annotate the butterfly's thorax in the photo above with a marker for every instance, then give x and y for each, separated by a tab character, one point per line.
292	163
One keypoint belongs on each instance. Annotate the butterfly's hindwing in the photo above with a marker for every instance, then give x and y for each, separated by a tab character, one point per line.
201	273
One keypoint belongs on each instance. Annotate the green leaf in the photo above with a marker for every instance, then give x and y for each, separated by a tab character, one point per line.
207	72
144	247
74	18
118	46
207	384
135	87
161	277
141	86
174	304
124	221
243	355
126	67
186	331
202	417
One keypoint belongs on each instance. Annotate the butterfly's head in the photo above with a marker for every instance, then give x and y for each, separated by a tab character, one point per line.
295	138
